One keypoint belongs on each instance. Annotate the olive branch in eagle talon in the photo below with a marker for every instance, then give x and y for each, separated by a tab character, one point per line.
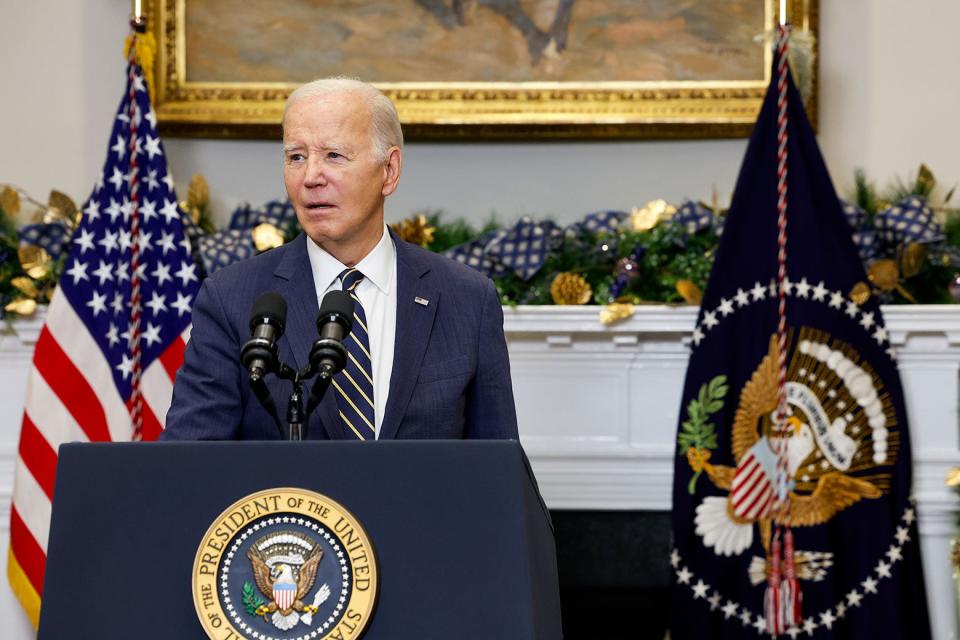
251	601
698	437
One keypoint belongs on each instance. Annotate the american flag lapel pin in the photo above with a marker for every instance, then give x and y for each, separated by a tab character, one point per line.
421	301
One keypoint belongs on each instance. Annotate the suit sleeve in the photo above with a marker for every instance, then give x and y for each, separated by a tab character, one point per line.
490	410
207	399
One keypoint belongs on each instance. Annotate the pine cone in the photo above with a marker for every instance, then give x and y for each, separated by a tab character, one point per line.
570	288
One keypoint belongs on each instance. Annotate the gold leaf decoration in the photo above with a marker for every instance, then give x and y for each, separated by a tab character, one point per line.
912	259
689	291
61	208
266	236
616	312
925	180
34	260
415	230
884	274
653	213
860	293
953	477
570	288
25	286
22	306
198	193
10	201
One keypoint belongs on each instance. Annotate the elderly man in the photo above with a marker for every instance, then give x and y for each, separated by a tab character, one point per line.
427	355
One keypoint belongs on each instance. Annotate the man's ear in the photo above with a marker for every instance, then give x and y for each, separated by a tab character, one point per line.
391	170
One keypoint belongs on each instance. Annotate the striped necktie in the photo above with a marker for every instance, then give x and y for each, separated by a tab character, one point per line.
355	383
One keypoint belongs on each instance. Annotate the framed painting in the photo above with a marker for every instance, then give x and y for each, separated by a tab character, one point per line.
481	69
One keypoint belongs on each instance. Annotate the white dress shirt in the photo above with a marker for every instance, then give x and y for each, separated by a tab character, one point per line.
378	295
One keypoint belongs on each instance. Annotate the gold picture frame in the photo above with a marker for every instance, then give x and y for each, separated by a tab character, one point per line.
430	110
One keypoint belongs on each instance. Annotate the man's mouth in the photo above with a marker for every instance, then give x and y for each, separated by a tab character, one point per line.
318	206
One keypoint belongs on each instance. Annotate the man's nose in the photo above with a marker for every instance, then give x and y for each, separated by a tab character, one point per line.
315	172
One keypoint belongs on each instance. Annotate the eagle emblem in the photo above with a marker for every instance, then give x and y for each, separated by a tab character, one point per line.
285	568
840	436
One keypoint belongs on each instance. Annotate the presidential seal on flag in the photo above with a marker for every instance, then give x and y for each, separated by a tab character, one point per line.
284	564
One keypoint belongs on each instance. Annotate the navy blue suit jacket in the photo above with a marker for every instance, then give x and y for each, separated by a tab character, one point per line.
451	373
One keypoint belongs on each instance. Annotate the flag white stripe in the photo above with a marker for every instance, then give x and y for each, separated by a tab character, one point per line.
761	503
76	342
32	505
49	414
745	469
157	388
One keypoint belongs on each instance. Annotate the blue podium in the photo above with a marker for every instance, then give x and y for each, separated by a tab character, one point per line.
463	543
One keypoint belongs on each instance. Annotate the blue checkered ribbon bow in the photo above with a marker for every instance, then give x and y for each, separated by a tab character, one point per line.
279	213
473	254
52	237
224	248
354	384
864	235
525	247
694	217
607	222
910	220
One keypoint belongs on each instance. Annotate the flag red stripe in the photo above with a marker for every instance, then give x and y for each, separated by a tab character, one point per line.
749	492
71	387
29	554
751	478
745	471
151	426
757	506
38	455
172	357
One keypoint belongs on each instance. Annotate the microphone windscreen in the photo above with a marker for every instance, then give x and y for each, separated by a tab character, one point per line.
272	307
337	303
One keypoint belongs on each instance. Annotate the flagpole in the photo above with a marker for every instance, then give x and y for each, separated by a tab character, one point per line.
135	406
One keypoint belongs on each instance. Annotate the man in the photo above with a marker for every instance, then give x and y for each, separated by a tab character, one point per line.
427	342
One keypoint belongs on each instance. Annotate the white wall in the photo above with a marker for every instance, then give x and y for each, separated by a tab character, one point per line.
887	98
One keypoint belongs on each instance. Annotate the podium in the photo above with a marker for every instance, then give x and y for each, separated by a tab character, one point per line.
463	542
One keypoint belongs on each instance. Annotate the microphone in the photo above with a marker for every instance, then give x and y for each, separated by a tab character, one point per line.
267	322
328	355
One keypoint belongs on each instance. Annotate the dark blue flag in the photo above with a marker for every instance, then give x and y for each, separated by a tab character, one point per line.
853	521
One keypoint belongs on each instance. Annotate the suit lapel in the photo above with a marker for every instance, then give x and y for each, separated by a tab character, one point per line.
294	278
414	324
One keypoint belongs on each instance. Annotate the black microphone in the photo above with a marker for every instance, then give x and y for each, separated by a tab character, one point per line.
267	322
328	355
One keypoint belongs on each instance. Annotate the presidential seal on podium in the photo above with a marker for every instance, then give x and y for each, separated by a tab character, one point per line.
285	564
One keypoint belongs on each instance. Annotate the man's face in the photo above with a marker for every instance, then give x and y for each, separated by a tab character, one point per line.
335	181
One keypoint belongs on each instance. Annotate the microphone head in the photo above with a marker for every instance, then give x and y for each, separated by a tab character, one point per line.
337	305
269	308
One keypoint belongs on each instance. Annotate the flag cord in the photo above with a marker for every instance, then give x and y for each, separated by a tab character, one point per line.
136	396
783	598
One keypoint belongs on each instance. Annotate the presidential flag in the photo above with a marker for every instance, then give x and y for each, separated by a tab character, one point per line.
802	501
115	331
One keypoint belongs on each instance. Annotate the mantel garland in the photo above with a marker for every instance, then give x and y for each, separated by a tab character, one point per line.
659	253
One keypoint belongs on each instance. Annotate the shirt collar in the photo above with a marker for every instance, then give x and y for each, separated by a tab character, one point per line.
377	266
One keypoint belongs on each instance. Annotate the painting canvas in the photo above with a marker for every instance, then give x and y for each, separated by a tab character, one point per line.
482	67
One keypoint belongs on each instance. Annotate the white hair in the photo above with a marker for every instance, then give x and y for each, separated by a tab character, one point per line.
383	114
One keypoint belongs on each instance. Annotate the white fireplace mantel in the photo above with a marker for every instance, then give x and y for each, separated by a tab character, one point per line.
598	409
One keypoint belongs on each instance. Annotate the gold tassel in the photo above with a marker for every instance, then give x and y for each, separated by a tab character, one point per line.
145	52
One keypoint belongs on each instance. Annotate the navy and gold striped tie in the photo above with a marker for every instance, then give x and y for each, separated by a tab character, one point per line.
355	383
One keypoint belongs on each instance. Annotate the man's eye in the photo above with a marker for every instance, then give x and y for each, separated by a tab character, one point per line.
295	157
333	155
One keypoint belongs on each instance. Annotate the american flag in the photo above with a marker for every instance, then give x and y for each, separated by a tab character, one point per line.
115	331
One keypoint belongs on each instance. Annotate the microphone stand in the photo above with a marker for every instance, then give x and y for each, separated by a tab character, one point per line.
297	418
